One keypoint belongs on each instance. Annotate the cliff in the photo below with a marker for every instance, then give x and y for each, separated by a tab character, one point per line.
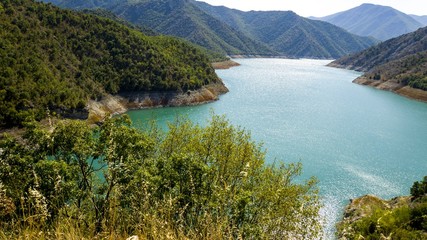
118	104
394	86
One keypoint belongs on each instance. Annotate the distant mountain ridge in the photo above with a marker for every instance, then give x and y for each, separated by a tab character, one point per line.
289	33
420	19
380	22
178	18
250	33
393	65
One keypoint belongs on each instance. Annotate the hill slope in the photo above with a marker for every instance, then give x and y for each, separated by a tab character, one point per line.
183	19
57	59
234	32
290	34
380	22
393	64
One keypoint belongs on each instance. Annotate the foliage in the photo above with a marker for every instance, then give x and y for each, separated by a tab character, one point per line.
402	59
214	56
233	32
57	59
393	220
182	18
419	188
291	35
190	182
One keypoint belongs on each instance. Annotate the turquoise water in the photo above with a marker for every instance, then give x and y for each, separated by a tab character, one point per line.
355	139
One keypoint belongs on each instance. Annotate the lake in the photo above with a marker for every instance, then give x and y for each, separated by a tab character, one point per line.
356	140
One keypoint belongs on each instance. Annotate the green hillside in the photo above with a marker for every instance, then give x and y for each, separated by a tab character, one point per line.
183	19
58	59
178	18
290	34
234	32
402	59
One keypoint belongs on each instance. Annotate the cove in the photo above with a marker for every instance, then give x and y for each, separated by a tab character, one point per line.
355	139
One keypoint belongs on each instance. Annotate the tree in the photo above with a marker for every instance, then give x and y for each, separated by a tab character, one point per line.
192	180
419	188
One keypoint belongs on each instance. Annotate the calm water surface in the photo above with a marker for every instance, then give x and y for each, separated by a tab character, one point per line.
356	140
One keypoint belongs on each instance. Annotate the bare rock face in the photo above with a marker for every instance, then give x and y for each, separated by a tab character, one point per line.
225	64
393	86
111	105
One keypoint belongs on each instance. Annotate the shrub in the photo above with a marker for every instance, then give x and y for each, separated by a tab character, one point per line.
188	182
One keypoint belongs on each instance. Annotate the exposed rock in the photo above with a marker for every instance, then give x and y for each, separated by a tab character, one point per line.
362	207
225	64
119	104
395	87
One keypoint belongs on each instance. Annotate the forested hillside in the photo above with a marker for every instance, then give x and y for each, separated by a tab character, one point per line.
57	59
290	34
402	59
234	32
183	19
380	22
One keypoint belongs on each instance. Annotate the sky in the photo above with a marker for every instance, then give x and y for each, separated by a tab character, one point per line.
320	8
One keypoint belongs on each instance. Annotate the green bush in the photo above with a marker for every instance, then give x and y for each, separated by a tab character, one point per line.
406	220
419	188
188	182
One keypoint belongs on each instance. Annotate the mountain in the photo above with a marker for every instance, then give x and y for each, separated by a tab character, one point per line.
83	4
288	33
183	19
420	19
394	64
251	33
380	22
57	60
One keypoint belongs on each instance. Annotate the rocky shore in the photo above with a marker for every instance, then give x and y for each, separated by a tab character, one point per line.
362	207
225	64
123	102
395	87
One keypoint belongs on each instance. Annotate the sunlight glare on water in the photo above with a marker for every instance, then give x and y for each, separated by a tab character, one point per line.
356	140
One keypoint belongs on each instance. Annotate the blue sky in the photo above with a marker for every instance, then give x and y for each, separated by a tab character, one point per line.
320	8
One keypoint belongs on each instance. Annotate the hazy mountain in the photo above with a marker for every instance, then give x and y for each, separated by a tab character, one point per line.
402	60
290	34
380	22
420	19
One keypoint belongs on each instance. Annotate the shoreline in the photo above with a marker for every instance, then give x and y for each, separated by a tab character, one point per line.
392	86
365	206
121	103
225	64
